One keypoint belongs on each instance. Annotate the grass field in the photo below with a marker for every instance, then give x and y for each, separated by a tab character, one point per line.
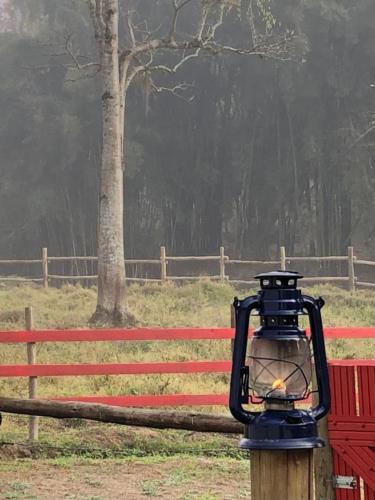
200	304
70	445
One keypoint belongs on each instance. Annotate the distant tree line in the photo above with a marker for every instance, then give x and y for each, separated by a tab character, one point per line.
257	153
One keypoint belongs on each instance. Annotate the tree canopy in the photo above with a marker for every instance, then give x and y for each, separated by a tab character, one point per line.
260	153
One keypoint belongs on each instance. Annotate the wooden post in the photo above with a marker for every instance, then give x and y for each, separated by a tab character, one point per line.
33	381
351	274
45	267
163	264
282	259
281	474
222	264
323	463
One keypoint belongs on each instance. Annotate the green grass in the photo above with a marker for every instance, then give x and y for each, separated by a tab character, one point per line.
200	304
93	441
204	303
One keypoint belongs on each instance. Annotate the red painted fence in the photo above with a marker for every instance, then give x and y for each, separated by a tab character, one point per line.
142	334
351	427
351	422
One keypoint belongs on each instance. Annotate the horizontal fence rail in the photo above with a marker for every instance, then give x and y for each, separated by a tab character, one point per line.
33	370
231	270
67	370
149	334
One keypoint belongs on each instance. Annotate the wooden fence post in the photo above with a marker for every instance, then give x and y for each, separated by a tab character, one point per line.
45	267
222	264
282	259
351	273
163	264
281	474
33	381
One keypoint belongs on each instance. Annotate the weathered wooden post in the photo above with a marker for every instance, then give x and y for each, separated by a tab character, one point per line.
282	259
351	274
45	267
163	264
323	462
291	478
281	474
33	381
222	264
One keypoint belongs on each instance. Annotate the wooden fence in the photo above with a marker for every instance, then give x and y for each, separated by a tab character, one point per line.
226	267
351	424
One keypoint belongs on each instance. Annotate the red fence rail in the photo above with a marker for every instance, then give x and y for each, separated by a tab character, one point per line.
149	334
144	334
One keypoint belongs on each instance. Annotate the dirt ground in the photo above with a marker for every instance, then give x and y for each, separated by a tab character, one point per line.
184	478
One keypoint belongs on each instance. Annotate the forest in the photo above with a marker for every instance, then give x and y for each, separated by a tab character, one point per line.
257	152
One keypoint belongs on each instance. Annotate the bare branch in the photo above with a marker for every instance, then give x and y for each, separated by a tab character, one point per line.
361	136
99	12
148	67
67	54
131	28
74	57
250	17
218	22
177	8
205	39
96	13
176	67
177	90
141	68
202	24
83	77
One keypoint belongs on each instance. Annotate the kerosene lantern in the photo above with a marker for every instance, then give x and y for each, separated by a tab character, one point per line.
274	368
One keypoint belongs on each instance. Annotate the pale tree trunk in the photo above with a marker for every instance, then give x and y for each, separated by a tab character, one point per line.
111	303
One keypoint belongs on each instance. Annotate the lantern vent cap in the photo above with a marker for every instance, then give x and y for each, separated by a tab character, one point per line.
279	279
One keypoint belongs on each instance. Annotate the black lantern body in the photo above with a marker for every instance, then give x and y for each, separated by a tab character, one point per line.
275	368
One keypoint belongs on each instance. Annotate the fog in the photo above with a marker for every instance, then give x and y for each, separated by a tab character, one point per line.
257	153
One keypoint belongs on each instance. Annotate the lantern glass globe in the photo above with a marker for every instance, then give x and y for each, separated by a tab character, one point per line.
279	368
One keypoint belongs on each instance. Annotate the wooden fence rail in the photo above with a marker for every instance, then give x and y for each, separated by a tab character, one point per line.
225	265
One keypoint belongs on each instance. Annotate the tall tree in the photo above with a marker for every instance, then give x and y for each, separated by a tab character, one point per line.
122	59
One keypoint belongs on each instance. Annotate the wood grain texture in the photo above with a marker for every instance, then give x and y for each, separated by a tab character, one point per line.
281	474
199	422
33	380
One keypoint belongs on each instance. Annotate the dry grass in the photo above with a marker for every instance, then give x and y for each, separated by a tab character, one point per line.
199	304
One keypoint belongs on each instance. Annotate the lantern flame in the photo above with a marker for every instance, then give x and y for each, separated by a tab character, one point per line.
279	384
